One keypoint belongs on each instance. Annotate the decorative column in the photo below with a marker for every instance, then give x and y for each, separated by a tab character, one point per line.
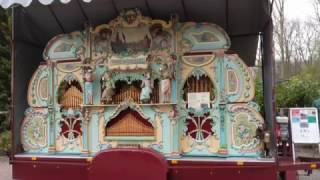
85	132
222	106
51	108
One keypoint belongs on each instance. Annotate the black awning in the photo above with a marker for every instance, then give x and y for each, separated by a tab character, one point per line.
243	20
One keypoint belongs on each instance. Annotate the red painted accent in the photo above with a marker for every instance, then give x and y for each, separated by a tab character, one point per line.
196	170
49	169
128	164
65	129
140	164
191	127
289	165
290	175
223	173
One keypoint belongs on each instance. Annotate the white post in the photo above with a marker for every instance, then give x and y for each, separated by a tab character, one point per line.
293	153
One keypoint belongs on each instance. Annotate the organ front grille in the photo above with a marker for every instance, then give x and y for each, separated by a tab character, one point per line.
127	92
129	124
72	98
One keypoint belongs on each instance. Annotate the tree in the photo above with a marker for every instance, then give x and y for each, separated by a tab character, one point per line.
5	30
5	68
306	43
284	31
297	43
316	5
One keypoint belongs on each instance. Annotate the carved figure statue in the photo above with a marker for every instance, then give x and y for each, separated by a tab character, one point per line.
108	88
88	86
165	84
146	90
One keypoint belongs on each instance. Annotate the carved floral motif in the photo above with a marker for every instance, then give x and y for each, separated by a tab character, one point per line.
34	130
245	122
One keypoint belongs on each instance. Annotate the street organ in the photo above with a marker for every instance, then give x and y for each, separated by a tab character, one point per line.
139	82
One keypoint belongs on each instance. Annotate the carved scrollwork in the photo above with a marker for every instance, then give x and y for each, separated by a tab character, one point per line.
245	121
34	130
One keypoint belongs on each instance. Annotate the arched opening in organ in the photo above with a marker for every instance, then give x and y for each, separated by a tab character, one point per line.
70	94
198	84
129	123
125	91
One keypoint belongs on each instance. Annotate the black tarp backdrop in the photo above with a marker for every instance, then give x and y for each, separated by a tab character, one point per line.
35	25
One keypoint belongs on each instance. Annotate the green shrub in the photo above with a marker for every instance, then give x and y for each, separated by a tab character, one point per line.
5	142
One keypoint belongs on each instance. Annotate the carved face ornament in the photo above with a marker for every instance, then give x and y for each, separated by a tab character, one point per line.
130	16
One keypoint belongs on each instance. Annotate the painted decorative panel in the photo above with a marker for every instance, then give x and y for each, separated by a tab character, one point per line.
65	46
201	134
244	122
233	82
38	87
142	82
198	60
34	130
239	79
69	131
202	37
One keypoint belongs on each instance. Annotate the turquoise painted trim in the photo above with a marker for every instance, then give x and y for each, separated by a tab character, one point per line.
222	103
84	127
130	138
172	129
166	145
51	107
94	129
238	68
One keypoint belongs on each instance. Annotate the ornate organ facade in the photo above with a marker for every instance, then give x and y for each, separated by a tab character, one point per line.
140	82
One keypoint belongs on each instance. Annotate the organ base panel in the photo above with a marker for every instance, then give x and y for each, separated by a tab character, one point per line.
140	82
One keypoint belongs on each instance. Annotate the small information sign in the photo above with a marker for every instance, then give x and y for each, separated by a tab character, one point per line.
304	125
198	100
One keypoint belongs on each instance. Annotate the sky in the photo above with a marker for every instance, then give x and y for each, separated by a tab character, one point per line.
299	9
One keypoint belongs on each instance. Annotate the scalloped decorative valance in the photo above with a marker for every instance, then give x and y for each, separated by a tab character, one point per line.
26	3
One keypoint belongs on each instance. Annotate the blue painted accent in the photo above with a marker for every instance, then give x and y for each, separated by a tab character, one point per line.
94	129
222	103
173	129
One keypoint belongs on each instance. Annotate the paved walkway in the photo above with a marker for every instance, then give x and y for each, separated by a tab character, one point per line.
5	169
314	176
